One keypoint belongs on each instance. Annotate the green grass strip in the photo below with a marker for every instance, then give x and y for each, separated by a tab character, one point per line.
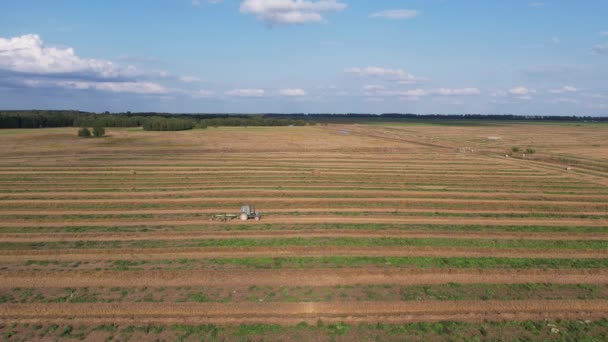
315	242
545	330
361	261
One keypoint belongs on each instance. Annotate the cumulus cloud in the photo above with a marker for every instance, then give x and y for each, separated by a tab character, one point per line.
29	61
116	87
398	75
28	54
519	92
563	90
290	11
292	92
396	14
246	92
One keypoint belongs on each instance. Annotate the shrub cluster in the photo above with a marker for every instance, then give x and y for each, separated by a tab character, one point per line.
97	132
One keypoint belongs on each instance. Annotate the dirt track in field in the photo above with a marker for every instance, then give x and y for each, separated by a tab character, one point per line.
289	313
300	277
256	252
308	233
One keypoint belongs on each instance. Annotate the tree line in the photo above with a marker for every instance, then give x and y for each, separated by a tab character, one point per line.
149	121
362	117
167	121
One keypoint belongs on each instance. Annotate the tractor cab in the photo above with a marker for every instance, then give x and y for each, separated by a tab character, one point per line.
248	212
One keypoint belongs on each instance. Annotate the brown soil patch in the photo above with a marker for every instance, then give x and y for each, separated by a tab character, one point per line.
287	313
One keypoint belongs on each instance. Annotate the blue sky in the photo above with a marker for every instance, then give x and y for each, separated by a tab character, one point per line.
424	56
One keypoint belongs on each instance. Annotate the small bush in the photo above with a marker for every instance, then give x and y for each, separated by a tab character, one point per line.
67	330
99	131
515	149
530	151
84	132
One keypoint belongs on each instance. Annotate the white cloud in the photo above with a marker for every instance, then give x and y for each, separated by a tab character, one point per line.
373	87
29	54
521	92
189	79
600	49
292	92
246	92
457	92
290	11
373	91
399	75
32	63
564	89
196	3
396	14
116	87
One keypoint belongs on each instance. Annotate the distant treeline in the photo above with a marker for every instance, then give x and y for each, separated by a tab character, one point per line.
355	117
150	121
167	121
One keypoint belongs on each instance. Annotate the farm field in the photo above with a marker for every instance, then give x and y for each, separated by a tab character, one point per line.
370	232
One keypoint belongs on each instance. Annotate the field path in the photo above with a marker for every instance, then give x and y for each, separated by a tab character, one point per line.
291	313
300	277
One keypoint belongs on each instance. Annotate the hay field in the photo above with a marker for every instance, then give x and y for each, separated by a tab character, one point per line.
370	232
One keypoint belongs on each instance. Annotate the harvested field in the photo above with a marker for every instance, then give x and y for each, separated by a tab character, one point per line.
377	233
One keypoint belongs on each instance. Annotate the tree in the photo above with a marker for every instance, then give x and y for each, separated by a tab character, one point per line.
99	131
84	132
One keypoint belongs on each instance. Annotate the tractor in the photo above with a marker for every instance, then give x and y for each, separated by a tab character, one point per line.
248	212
